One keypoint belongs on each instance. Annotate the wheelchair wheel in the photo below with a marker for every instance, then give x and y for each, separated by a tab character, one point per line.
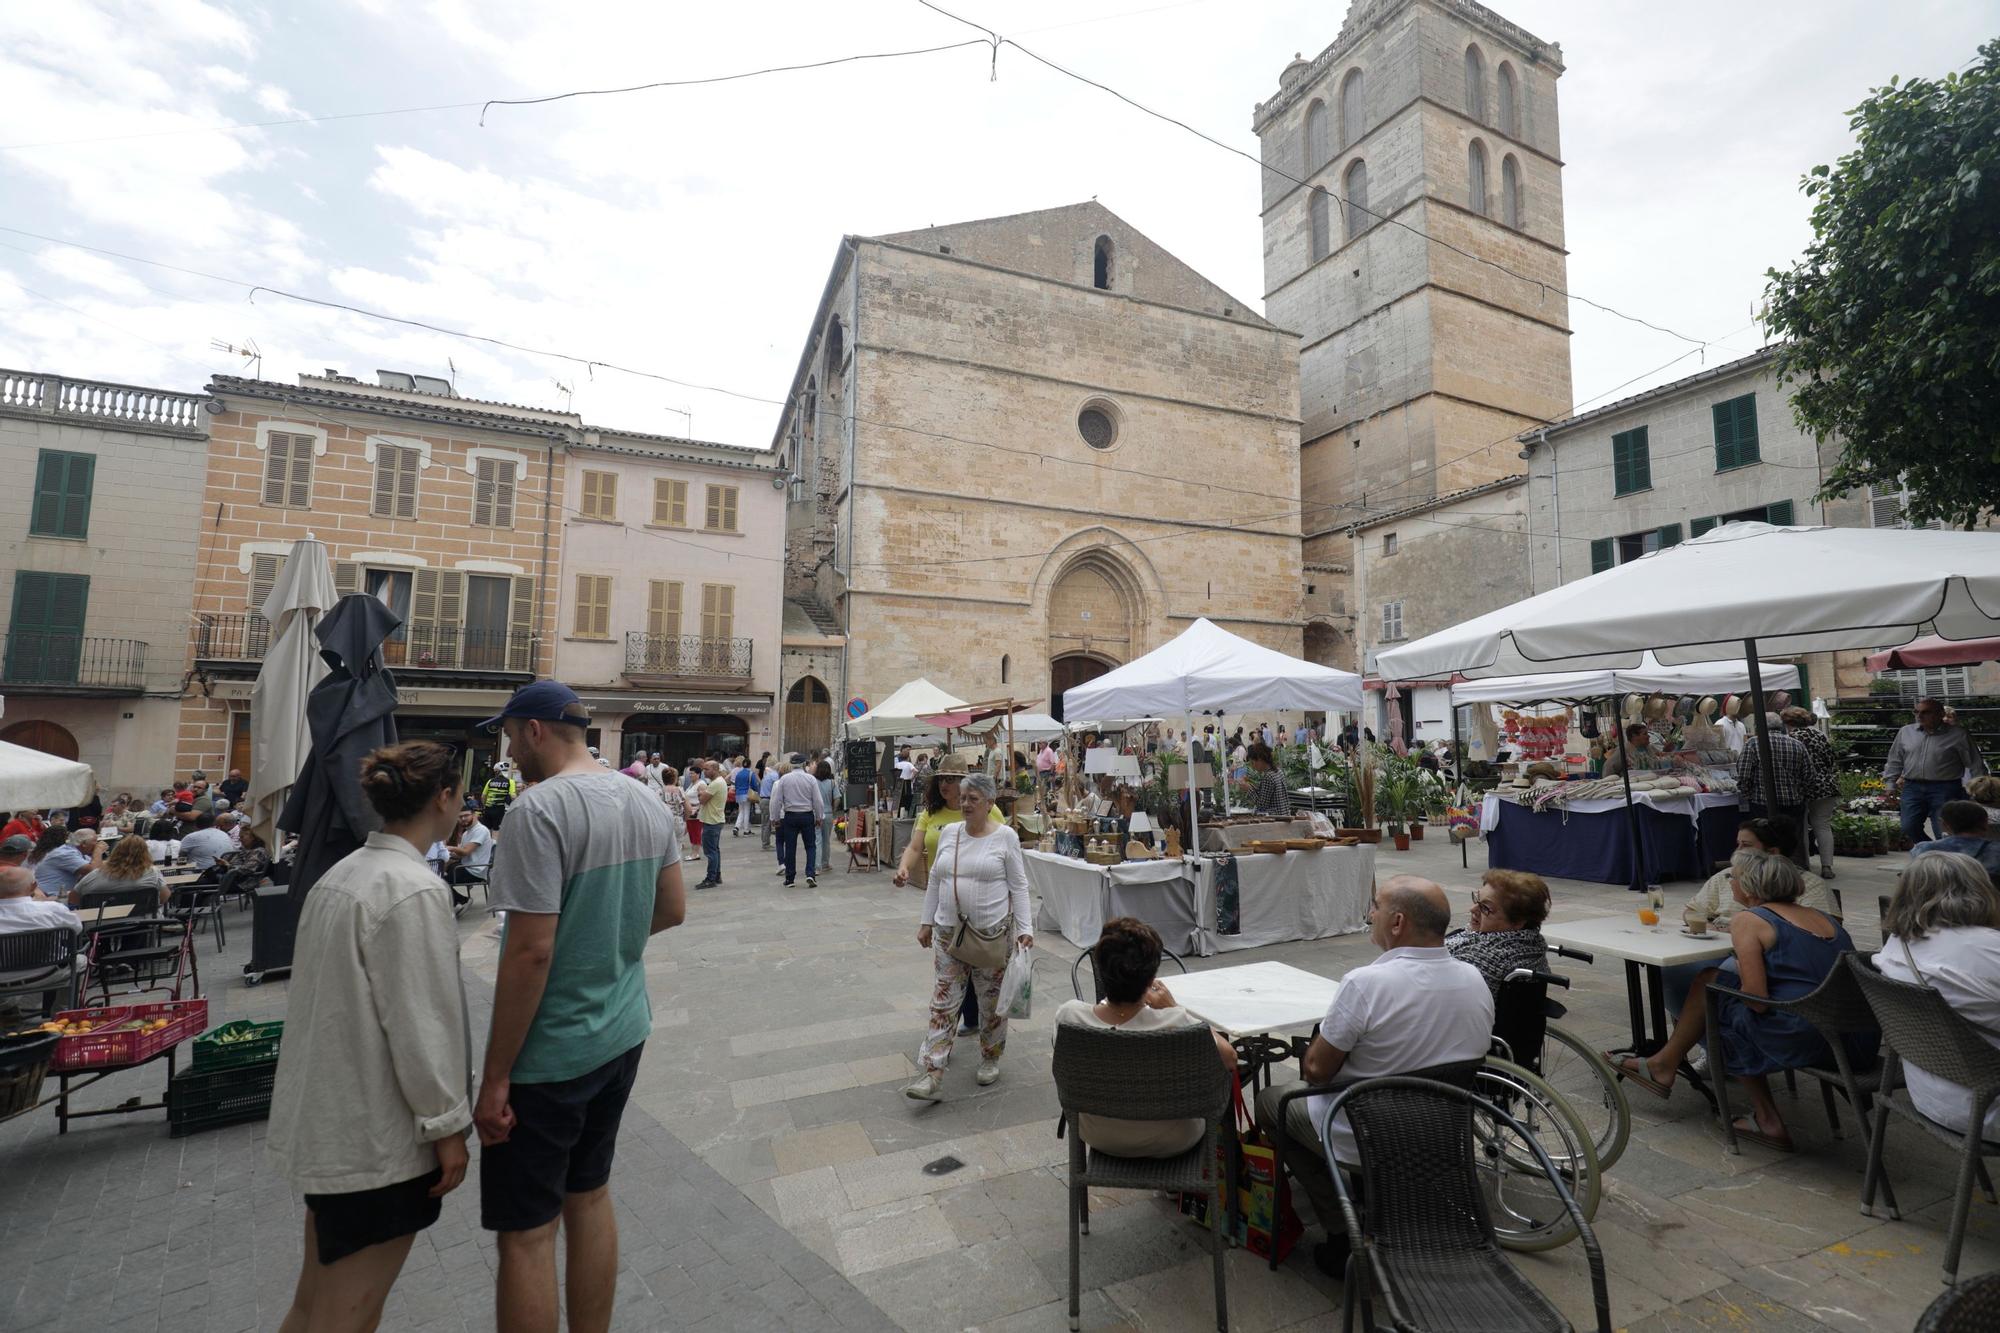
1574	1069
1527	1212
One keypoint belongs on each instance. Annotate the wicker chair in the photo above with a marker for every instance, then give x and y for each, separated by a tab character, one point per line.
47	962
1836	1009
1427	1252
1918	1026
1172	1075
1096	986
1970	1307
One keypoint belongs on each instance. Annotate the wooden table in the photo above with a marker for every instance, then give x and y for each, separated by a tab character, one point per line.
1646	951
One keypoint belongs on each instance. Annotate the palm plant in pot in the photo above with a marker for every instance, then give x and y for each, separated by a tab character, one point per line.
1394	795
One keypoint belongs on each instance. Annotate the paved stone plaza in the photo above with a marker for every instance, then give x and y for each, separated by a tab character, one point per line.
771	1172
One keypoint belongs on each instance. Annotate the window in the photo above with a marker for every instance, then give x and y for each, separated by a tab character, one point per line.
600	496
1608	552
1510	191
836	347
1475	83
1510	103
1889	508
1098	424
1930	683
1778	514
1631	462
288	470
663	610
1352	127
1316	149
593	606
1388	543
45	633
62	495
1475	177
395	481
718	611
670	503
721	509
1100	264
1359	219
1392	621
1322	236
1735	432
493	493
1006	663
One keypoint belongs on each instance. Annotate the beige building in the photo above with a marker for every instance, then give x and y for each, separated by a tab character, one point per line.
98	556
1413	239
1025	450
672	559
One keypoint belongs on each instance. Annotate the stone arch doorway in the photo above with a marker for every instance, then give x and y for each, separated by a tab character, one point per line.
808	716
1096	609
1067	672
48	737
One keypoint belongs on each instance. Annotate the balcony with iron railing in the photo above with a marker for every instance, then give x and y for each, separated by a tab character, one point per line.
687	659
35	662
239	642
101	402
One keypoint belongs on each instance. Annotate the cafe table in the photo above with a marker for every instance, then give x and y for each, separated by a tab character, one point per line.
1249	1002
1647	952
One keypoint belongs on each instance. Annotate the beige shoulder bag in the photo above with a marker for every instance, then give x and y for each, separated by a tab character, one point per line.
967	943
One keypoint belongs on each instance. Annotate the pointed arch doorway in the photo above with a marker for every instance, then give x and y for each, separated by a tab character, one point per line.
1069	671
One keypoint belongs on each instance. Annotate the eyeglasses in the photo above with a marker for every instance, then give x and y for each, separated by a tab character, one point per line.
1480	906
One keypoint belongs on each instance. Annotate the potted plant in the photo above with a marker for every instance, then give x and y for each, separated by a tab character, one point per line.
1394	795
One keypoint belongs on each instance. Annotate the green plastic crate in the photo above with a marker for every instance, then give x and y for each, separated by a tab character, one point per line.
199	1099
258	1047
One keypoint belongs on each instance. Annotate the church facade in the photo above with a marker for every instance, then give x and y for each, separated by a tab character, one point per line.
1025	450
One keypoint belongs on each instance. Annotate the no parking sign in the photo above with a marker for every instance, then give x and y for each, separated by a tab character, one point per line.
857	706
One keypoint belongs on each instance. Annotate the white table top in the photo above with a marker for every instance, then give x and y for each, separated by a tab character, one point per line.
1254	997
1623	937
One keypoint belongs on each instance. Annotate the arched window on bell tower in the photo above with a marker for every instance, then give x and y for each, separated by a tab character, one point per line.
1100	265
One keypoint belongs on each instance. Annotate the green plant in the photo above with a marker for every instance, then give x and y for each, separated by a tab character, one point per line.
1397	792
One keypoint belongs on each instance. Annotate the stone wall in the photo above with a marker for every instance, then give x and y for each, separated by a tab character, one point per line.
1450	563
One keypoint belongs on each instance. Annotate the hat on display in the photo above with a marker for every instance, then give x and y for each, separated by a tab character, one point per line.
542	701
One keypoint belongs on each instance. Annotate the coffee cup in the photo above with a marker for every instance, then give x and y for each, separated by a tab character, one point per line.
1696	925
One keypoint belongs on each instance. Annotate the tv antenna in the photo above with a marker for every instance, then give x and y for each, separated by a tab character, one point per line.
567	392
685	412
249	351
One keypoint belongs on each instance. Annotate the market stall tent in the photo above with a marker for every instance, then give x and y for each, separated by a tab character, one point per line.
1209	670
31	780
902	713
1931	651
1649	677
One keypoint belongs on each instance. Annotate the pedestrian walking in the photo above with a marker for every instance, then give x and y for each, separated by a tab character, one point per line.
713	795
1927	766
823	773
589	871
745	783
368	1118
765	784
798	807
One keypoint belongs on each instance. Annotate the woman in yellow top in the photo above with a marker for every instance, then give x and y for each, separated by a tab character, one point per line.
940	811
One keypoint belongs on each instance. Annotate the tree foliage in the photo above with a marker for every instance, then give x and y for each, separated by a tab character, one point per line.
1889	327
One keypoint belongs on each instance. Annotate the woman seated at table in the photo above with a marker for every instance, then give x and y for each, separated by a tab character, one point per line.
1127	961
1942	930
1712	903
1783	950
250	863
129	866
1504	929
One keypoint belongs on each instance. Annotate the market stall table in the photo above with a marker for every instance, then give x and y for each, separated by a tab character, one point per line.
1077	898
1647	951
1679	837
1284	896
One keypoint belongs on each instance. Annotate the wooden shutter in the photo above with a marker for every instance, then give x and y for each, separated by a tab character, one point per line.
45	632
483	480
395	482
721	509
521	627
1735	432
288	461
1631	462
593	606
1697	526
663	610
437	616
1603	554
346	578
1670	535
718	611
600	496
670	503
62	494
264	572
406	483
1779	514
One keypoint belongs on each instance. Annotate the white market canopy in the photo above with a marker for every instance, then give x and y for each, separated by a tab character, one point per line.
1792	590
31	780
1649	677
903	713
1209	670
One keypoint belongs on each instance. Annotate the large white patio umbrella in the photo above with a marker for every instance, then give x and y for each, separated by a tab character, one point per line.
1742	587
32	780
279	735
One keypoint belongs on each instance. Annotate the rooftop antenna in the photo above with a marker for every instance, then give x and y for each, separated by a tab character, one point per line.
567	392
249	351
685	412
453	366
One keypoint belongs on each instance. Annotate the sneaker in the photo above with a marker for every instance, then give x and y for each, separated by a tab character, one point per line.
989	1073
788	884
812	881
706	884
1698	1059
925	1089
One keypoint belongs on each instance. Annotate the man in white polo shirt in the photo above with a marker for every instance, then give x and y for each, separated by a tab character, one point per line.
1413	1008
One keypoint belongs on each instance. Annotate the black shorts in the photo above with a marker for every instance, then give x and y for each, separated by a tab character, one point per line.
345	1224
562	1143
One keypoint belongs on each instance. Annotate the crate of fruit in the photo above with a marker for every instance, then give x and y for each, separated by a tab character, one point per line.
234	1045
123	1034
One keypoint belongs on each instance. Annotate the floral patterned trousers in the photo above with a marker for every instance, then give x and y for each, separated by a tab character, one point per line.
947	993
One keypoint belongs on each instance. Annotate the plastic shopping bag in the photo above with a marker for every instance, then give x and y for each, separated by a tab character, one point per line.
1017	985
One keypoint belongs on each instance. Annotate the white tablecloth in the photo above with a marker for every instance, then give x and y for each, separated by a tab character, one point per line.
1292	896
1686	807
1077	898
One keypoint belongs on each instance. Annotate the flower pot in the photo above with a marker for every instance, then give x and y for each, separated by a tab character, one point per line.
1416	833
1402	842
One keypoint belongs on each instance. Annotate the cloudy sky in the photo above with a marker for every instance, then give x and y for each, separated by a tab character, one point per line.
687	232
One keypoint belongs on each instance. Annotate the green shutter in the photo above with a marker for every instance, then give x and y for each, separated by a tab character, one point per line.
1670	535
1631	462
1779	514
1735	432
45	633
1697	526
1602	554
62	494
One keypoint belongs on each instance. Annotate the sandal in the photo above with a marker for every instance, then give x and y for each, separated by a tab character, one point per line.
1621	1064
1754	1135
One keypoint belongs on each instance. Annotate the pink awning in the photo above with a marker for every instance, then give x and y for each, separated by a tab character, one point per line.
972	715
1932	651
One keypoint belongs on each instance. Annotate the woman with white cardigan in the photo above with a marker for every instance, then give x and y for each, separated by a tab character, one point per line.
976	903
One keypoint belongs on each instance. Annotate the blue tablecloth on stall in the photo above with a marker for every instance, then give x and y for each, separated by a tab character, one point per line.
1598	847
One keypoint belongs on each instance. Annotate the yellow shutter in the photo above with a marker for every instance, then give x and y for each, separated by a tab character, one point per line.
503	494
721	509
264	571
395	482
600	495
593	606
521	627
406	483
670	503
663	610
278	467
718	611
483	486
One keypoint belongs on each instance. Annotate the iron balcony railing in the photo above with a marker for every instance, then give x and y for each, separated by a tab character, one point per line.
102	401
686	655
35	659
246	638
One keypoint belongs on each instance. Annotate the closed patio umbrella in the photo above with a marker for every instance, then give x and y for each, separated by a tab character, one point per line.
279	737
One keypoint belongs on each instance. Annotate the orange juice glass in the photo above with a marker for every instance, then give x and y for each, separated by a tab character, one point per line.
1648	917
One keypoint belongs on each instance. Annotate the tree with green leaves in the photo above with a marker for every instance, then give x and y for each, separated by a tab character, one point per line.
1889	327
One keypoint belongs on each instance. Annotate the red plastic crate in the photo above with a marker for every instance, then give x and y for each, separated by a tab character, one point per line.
125	1046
